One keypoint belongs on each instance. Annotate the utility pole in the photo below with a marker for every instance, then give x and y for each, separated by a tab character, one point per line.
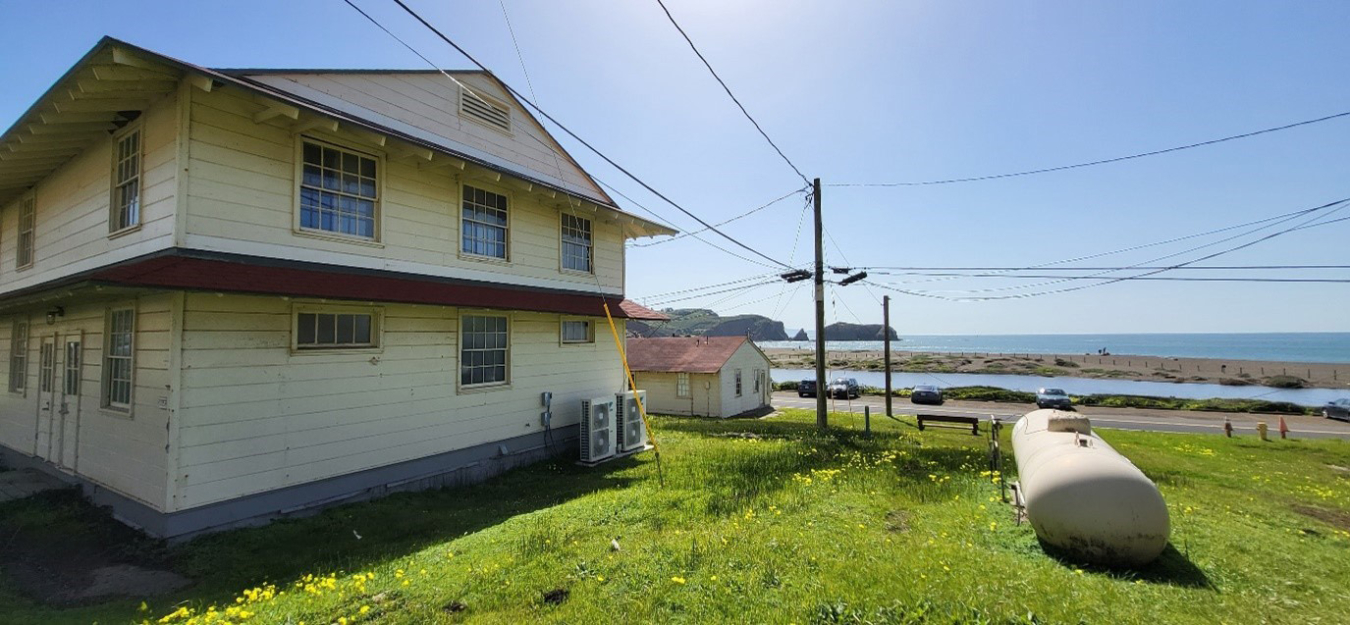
822	417
886	340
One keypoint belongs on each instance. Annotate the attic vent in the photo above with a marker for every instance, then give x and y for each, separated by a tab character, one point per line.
484	111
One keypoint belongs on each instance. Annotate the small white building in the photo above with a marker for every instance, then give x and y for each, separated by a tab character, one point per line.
718	376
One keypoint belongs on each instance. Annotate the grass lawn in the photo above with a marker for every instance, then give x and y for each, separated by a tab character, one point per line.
762	521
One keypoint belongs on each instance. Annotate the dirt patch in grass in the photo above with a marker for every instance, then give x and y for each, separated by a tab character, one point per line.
60	551
455	607
1336	518
556	596
897	521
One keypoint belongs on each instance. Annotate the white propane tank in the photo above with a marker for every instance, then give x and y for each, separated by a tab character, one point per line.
1082	496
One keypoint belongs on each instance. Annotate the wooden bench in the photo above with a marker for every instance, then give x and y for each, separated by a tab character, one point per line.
973	422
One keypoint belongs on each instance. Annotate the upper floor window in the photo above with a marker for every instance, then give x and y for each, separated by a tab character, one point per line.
339	191
126	190
738	382
483	350
576	243
118	358
324	330
18	357
484	227
23	252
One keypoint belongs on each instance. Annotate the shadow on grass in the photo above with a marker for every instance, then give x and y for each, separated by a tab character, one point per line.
348	538
1171	568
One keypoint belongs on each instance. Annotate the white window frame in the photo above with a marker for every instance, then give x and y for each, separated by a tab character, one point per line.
376	329
25	243
464	188
562	331
377	221
739	387
682	385
463	340
106	393
563	256
116	183
18	357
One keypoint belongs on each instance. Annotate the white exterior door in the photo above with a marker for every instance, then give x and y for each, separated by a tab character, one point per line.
47	399
68	411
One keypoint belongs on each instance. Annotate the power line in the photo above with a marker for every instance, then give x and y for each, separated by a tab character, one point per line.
1117	159
729	93
658	296
649	211
514	92
666	301
723	223
888	270
1165	278
1132	248
1338	205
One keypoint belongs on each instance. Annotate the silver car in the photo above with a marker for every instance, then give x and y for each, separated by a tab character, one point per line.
1339	409
1053	398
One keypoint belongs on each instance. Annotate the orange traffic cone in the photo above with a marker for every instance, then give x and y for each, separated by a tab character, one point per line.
1284	429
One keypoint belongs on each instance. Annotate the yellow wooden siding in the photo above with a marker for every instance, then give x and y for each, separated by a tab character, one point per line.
662	396
242	193
431	102
124	453
71	232
255	416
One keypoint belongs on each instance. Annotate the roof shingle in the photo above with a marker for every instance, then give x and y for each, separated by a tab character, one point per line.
695	354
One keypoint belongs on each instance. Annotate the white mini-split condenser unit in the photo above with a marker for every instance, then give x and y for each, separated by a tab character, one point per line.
632	429
598	433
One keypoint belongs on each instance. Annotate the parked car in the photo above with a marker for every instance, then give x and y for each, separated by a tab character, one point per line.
845	388
1053	398
1339	409
806	388
926	394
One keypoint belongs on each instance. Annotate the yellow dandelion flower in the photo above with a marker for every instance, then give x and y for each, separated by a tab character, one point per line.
677	579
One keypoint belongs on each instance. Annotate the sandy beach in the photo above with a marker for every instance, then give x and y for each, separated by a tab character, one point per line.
1113	366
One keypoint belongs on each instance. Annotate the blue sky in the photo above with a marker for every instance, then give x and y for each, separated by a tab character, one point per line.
875	92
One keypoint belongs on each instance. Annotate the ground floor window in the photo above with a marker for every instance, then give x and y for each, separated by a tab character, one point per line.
682	385
577	332
118	359
334	330
18	357
483	350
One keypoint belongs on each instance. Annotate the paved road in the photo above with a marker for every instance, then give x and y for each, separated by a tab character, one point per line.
1122	418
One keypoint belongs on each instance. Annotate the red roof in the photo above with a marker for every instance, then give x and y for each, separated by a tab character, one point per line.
694	354
239	274
634	310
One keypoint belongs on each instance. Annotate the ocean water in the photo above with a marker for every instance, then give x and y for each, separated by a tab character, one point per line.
1330	347
1075	386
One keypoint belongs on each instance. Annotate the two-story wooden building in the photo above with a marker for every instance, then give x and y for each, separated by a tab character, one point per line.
228	295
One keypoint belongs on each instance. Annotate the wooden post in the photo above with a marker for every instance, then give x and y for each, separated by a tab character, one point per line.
867	419
886	332
822	415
